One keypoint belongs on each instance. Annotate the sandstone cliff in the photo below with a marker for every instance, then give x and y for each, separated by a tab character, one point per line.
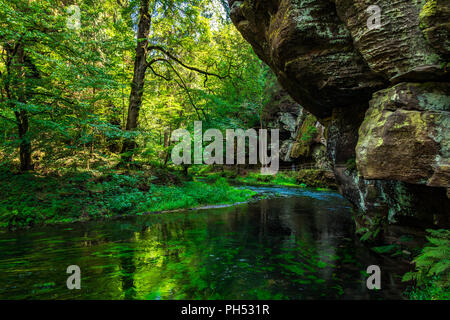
302	136
382	93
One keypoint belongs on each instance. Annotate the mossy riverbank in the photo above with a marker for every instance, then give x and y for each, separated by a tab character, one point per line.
32	199
308	178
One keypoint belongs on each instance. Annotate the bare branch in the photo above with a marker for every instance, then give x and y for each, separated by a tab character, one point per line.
171	56
184	86
157	74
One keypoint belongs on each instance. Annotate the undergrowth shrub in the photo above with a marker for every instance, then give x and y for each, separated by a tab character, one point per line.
32	199
431	276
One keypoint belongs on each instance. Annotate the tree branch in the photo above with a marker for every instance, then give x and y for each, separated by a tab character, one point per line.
171	56
182	85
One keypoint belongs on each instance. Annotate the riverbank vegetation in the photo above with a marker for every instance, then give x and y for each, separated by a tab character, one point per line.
304	178
432	268
32	199
66	195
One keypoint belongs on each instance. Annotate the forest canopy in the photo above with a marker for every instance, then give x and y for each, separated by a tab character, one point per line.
104	83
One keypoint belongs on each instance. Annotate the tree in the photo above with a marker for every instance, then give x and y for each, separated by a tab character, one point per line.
140	67
159	54
49	81
74	96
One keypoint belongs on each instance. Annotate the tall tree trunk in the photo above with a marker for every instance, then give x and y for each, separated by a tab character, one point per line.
25	145
22	118
137	87
167	134
166	138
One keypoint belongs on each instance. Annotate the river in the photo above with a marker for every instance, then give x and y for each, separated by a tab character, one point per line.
300	244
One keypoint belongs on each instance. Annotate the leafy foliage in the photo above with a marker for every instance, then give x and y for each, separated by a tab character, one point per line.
30	199
433	266
64	91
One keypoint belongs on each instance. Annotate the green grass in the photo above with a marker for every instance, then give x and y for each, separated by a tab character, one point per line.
280	179
30	199
311	178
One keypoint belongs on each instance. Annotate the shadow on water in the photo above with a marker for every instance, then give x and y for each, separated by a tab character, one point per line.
297	246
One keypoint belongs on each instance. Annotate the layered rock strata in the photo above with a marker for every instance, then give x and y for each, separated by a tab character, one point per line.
382	93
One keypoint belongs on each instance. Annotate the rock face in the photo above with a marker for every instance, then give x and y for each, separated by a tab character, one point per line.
404	120
302	136
310	50
382	93
399	46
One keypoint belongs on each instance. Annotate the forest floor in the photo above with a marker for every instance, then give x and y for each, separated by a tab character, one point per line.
33	199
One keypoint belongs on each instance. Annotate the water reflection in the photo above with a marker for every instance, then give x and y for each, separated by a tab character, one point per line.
296	247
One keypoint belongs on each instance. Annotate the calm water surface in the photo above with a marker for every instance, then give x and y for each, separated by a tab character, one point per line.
300	245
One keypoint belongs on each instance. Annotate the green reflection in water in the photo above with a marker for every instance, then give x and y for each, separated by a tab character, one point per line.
299	247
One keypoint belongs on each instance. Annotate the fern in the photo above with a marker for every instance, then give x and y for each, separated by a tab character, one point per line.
433	264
